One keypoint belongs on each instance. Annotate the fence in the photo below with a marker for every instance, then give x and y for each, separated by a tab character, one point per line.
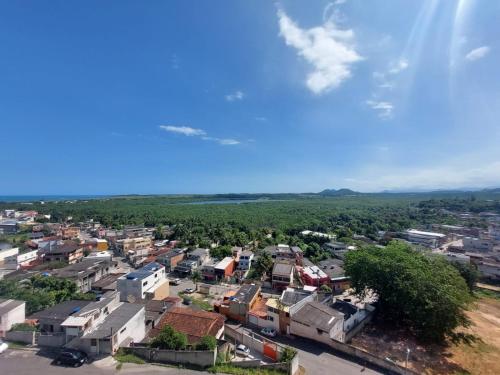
195	358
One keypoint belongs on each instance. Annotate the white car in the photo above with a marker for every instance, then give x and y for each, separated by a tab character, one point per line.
175	281
3	346
243	350
271	332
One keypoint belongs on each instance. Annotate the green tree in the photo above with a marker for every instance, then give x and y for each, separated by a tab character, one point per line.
422	292
325	288
263	263
207	343
469	272
170	339
196	277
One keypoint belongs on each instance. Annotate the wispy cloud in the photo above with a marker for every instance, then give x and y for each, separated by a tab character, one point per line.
222	141
327	48
237	95
184	130
383	108
261	119
175	62
478	53
190	132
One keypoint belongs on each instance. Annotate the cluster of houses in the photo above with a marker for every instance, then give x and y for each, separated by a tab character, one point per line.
303	312
132	312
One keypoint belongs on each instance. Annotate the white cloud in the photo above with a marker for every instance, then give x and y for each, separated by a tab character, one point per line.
384	108
237	95
477	53
222	141
401	65
261	119
187	131
184	130
327	48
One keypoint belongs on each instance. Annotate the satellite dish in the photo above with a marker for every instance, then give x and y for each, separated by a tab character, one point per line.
130	298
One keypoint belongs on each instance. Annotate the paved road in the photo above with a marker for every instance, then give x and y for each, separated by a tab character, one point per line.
24	362
320	359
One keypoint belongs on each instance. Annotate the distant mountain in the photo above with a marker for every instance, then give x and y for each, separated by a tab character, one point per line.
338	193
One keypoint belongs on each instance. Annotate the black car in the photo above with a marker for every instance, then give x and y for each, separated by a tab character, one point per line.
71	357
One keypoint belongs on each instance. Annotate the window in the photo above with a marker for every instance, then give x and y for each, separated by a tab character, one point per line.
93	342
270	318
144	283
123	330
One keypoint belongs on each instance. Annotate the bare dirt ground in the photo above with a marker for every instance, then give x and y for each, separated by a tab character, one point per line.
481	357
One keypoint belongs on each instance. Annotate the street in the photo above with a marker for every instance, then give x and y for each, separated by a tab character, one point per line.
318	358
30	362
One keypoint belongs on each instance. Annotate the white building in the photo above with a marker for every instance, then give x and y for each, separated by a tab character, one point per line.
11	312
17	261
7	253
245	260
149	282
428	239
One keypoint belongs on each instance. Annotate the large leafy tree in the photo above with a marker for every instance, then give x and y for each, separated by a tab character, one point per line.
420	291
168	338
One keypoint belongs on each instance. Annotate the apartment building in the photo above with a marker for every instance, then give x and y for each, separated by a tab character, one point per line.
149	282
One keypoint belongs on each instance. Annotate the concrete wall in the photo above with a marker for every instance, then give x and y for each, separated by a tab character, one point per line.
360	325
198	358
312	333
368	357
22	336
56	340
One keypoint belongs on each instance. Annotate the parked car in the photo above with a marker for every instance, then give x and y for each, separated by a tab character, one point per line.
187	301
189	290
271	332
175	282
243	350
71	357
3	346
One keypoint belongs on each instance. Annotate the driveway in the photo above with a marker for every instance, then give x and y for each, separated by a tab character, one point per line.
30	362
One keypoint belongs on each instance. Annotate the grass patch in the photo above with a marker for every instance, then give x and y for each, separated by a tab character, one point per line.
230	369
202	304
485	293
123	357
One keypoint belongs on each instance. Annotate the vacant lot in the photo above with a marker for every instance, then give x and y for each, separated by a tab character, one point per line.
479	357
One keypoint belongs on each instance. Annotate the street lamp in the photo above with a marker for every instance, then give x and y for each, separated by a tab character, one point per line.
407	357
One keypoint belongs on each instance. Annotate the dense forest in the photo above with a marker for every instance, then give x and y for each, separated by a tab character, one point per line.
239	218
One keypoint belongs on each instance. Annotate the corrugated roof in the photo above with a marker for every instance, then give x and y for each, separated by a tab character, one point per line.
115	321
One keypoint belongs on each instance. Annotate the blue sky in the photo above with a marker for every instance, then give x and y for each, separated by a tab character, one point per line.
248	96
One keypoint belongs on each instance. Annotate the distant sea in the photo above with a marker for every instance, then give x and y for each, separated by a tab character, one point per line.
47	198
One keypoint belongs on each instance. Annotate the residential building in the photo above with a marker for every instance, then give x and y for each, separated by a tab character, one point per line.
11	312
310	233
285	252
8	226
7	252
194	324
149	282
123	326
62	251
19	261
337	249
50	320
314	276
318	322
87	272
225	268
245	260
282	275
156	310
236	304
170	259
106	283
201	256
133	246
186	267
278	309
208	271
481	244
70	233
427	239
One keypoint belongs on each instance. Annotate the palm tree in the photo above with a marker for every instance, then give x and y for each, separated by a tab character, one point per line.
196	276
